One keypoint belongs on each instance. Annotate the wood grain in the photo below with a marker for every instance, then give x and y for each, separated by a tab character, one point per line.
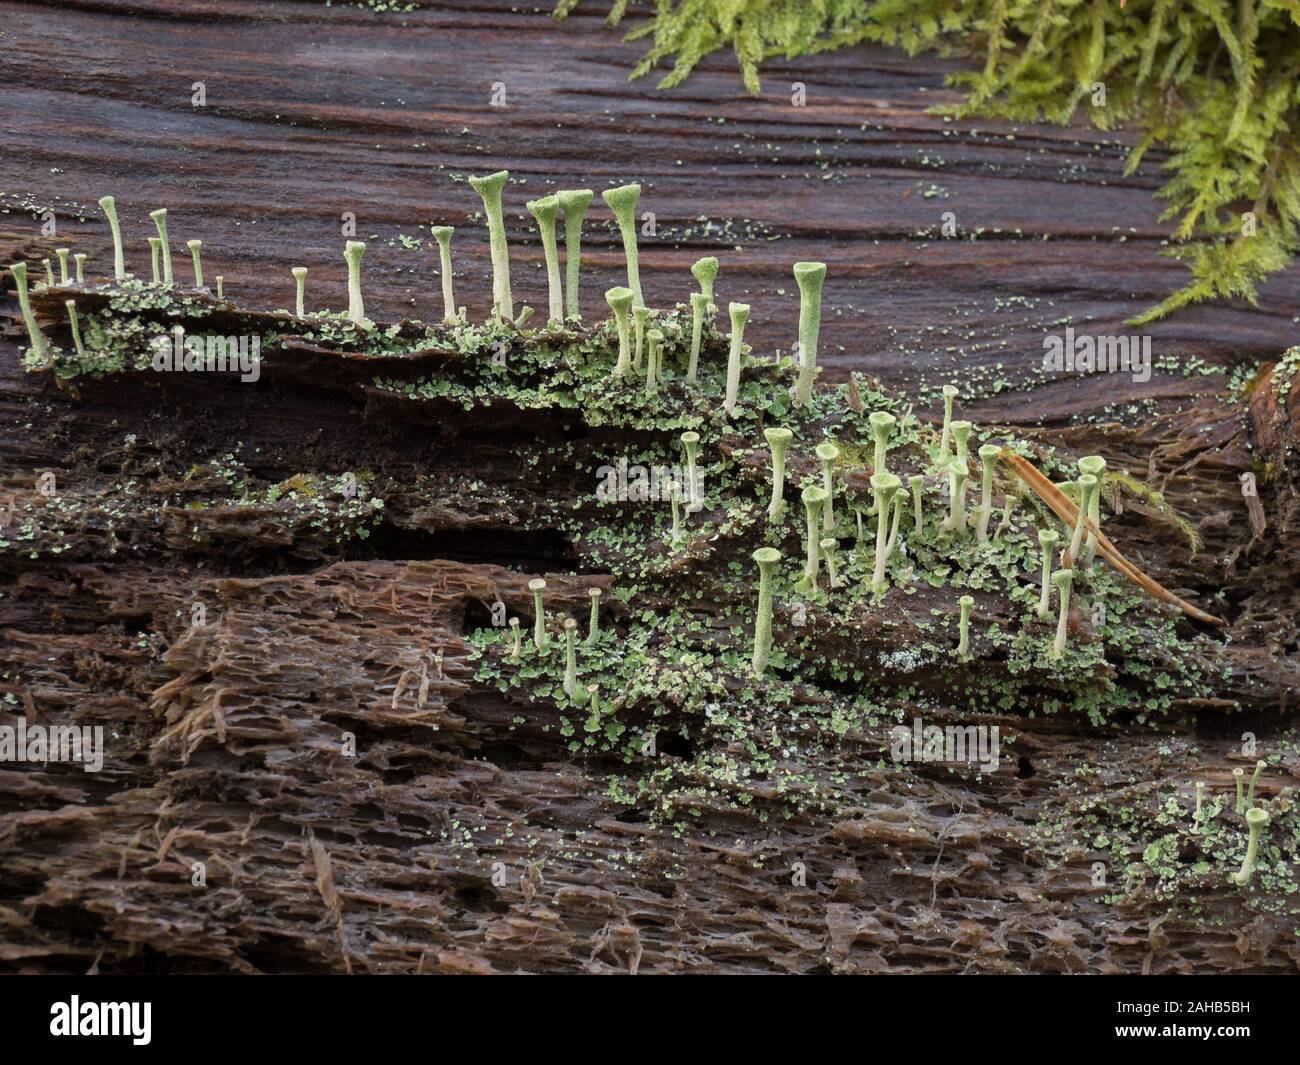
313	110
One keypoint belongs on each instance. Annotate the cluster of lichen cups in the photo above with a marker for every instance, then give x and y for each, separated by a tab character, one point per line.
161	262
1256	818
640	342
890	500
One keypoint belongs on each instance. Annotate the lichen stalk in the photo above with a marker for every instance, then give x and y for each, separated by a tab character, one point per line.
705	271
352	252
573	202
966	603
196	247
571	688
884	486
640	316
654	344
593	622
739	314
442	234
109	206
160	222
39	347
1095	465
900	503
767	559
1256	821
915	483
945	435
300	293
622	201
544	212
537	585
1063	580
988	462
489	190
75	327
1047	540
1250	791
810	277
699	303
814	498
957	477
1087	488
778	439
620	303
691	444
827	453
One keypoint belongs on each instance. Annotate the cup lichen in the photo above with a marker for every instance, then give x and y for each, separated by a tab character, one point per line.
1256	821
74	327
950	393
884	486
352	252
988	461
160	222
574	203
966	603
537	585
691	443
699	304
767	559
442	234
705	271
1063	580
620	302
1047	540
778	439
39	346
810	278
593	623
622	201
814	498
545	211
109	206
640	318
739	314
196	246
489	189
300	290
827	453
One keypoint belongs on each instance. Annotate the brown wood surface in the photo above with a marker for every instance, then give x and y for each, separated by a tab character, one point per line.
225	735
314	110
